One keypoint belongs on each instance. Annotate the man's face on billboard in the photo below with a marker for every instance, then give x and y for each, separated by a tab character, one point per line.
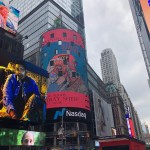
20	71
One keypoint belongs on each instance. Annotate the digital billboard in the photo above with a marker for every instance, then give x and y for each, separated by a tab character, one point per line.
68	114
11	137
22	96
130	126
63	55
9	17
146	11
67	99
103	116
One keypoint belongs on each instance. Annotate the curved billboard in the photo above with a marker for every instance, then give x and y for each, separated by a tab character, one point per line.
9	17
63	55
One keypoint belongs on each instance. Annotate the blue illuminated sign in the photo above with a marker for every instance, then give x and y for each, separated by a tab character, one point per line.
149	2
59	113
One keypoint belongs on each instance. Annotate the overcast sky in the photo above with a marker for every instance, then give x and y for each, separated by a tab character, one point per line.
109	24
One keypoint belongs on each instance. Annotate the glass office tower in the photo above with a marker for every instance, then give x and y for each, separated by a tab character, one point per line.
37	16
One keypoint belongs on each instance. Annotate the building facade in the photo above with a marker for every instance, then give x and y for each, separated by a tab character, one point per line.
102	116
109	68
117	109
36	17
140	11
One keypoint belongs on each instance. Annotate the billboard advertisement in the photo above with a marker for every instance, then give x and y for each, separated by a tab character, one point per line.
9	17
68	114
103	116
11	137
65	99
21	93
63	56
130	126
146	11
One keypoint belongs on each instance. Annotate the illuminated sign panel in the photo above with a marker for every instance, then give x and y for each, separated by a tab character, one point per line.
130	126
11	137
9	17
146	10
103	115
63	56
67	99
68	114
23	97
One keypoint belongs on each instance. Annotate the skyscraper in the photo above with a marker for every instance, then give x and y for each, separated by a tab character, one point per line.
109	67
38	16
140	11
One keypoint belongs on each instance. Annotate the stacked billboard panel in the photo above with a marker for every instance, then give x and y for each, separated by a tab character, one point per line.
63	56
146	11
26	97
11	137
103	116
9	17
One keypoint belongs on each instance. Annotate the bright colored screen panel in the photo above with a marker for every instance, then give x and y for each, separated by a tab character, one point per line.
146	10
9	17
67	99
9	137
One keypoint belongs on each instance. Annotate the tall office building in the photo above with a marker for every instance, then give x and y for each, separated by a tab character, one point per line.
109	67
140	11
37	16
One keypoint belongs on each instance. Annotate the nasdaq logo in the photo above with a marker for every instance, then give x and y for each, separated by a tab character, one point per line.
59	113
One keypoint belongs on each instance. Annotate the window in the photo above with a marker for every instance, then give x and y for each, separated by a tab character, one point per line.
64	34
74	74
60	73
51	63
72	43
56	51
79	54
52	35
74	37
68	51
48	44
59	42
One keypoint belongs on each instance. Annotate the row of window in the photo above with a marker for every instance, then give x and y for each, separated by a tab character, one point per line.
64	34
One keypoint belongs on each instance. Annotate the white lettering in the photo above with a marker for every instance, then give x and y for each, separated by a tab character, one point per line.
75	114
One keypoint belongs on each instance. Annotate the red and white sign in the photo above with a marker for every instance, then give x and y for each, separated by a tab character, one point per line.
67	99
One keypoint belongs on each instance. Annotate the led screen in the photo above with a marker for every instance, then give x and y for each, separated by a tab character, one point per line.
22	99
146	10
103	116
11	137
68	114
67	99
65	61
9	17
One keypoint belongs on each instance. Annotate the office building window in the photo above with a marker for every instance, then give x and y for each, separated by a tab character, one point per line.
64	34
56	51
68	51
59	42
52	35
74	37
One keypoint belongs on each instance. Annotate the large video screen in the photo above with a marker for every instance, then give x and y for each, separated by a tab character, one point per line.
146	11
11	137
22	99
9	17
68	114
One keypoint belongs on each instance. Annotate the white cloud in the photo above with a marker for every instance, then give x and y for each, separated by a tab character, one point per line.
109	24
